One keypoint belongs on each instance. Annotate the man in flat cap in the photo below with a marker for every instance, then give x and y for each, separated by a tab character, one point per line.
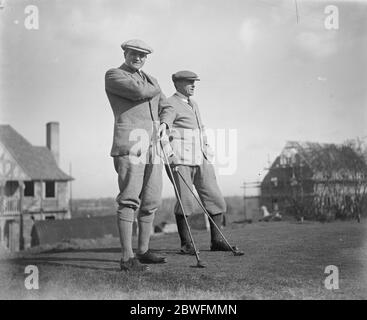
191	157
141	111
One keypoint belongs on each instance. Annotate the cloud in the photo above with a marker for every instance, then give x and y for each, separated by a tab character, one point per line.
321	78
249	32
318	44
99	25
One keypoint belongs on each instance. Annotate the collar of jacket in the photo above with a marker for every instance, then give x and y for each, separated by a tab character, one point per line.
181	96
185	101
125	67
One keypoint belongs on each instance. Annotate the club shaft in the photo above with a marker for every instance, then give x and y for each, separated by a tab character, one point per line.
180	202
205	211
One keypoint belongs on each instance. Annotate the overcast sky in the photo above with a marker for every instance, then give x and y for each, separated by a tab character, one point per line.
265	73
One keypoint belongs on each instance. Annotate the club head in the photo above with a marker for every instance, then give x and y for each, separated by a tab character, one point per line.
199	265
237	252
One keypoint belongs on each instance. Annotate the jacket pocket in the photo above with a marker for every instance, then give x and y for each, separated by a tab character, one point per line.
130	140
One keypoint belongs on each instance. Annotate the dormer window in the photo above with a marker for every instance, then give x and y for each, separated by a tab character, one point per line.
283	160
274	181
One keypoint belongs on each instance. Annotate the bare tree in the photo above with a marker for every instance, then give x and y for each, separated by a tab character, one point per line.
356	151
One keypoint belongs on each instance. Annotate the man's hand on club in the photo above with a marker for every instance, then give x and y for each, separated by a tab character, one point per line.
173	160
162	130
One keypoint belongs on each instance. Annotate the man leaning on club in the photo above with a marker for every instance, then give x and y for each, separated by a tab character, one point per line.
140	110
191	156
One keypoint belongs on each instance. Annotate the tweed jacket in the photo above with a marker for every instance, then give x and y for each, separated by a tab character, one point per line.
137	102
187	135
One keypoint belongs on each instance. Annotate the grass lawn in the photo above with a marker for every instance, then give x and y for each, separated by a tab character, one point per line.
283	260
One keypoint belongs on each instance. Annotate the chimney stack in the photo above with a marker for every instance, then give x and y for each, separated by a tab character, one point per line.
52	139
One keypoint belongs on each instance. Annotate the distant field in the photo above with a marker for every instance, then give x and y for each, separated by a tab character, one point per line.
283	260
107	206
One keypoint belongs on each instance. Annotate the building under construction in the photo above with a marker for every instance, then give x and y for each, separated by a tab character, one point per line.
316	180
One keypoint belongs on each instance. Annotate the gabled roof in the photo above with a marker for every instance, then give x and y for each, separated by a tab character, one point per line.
321	156
37	162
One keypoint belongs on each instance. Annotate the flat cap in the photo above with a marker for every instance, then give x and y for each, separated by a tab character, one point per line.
185	75
137	45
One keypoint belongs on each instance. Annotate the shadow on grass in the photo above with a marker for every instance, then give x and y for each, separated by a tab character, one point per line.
100	250
64	261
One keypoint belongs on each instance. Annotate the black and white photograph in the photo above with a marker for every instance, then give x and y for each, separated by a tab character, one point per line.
204	152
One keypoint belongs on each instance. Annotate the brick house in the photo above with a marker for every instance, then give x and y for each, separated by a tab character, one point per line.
32	186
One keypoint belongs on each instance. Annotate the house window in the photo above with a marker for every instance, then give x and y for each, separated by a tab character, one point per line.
10	188
50	191
274	181
283	160
28	188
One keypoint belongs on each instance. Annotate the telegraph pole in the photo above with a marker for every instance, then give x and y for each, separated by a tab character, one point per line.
244	199
71	190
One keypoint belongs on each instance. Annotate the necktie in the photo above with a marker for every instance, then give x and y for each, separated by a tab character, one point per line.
190	103
198	122
141	74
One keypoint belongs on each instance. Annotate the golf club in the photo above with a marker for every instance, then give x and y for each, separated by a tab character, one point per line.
234	249
199	263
